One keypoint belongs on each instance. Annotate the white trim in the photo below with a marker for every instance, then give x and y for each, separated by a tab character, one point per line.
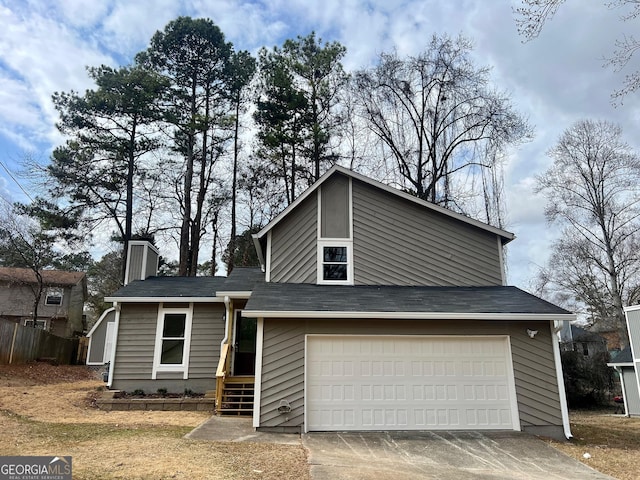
108	338
334	242
228	308
157	353
625	364
564	409
165	299
267	274
350	208
634	355
503	271
408	315
258	373
513	399
240	295
112	363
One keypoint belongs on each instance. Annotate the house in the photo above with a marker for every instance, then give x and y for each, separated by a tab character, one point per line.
372	310
577	339
627	363
60	310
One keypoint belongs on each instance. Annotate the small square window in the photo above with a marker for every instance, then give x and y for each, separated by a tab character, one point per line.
54	297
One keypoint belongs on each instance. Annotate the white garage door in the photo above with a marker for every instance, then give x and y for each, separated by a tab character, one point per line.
409	383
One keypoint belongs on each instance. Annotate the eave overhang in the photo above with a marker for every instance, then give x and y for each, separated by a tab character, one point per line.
409	315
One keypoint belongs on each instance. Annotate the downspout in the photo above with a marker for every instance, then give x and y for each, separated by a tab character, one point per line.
112	361
560	377
227	317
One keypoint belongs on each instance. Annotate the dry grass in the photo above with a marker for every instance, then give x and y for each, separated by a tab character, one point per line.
612	441
48	411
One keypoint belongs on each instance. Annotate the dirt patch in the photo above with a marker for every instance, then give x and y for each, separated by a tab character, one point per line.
606	442
50	410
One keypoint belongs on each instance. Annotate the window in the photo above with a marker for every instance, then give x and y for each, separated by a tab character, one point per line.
54	297
41	324
334	265
173	336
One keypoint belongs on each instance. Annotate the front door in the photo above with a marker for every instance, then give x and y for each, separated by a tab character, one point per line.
244	361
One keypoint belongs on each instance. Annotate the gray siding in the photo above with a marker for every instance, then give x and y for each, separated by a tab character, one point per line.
633	320
98	338
334	209
207	332
294	245
136	342
283	362
631	391
396	242
135	262
152	264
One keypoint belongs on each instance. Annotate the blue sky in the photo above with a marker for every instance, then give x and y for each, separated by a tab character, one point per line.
554	80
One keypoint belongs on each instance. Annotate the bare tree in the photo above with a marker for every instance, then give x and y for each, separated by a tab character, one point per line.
534	14
593	192
439	118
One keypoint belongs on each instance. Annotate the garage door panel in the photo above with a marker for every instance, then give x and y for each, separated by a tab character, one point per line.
365	383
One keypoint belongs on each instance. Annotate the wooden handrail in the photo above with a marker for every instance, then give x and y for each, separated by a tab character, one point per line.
221	373
222	363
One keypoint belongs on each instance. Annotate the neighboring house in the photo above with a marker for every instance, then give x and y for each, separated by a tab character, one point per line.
627	363
373	310
60	310
577	339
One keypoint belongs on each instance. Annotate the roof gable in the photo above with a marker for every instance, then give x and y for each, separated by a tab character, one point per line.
503	234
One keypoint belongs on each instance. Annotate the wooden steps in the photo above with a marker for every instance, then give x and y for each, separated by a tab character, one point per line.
237	396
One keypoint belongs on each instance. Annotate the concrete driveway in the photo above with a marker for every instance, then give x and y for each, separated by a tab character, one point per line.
439	455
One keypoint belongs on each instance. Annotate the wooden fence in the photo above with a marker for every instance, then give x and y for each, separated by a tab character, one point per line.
19	344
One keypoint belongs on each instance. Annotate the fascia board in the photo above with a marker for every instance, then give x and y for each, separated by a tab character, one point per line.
165	299
410	315
242	295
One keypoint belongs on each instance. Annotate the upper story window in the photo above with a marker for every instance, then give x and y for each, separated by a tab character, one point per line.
335	265
173	334
54	297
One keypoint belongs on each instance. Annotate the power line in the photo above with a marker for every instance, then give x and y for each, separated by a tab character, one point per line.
15	180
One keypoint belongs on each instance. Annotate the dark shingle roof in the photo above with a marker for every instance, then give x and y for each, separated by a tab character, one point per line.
50	277
327	298
623	357
171	287
242	279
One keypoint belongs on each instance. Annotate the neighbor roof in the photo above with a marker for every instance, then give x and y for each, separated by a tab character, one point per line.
50	277
307	300
622	358
168	289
